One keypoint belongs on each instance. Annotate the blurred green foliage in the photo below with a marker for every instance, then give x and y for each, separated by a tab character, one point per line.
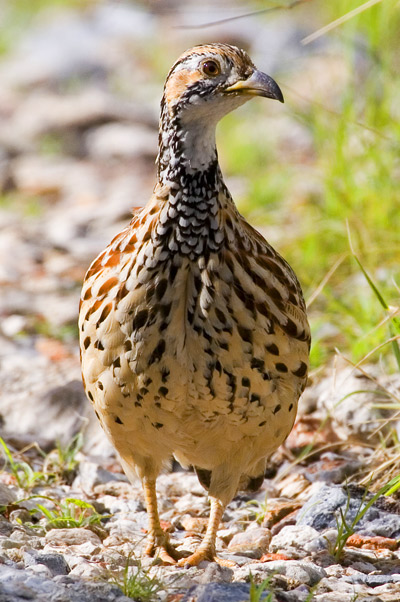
17	15
355	161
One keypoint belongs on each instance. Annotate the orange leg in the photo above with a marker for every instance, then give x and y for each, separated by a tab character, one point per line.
206	550
158	541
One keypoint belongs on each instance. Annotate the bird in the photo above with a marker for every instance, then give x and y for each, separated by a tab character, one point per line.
194	336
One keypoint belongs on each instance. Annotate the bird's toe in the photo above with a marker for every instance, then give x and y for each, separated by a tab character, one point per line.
201	554
160	547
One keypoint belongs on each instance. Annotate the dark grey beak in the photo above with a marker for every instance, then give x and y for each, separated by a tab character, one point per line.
258	84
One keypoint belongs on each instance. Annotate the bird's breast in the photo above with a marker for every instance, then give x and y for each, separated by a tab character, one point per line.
175	336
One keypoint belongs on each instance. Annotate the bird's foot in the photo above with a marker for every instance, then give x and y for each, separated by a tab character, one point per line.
159	546
201	554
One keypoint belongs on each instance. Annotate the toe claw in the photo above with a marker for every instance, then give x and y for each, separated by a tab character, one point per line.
201	555
197	557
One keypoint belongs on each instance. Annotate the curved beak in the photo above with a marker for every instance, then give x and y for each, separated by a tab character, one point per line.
258	84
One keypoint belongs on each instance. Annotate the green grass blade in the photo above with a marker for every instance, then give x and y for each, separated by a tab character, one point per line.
13	465
395	345
371	283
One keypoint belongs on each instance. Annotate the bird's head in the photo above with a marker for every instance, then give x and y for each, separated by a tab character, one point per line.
203	85
209	81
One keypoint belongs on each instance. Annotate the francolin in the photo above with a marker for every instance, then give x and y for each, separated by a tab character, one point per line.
194	335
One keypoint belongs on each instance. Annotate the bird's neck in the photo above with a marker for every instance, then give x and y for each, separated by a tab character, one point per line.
190	223
186	148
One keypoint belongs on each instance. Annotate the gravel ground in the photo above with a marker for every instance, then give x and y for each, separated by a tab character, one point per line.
78	139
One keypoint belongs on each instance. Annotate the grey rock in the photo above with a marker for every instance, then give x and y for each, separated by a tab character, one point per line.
32	404
299	594
215	592
363	566
92	474
385	525
320	510
236	558
294	540
90	571
5	527
345	597
39	570
7	495
7	543
19	586
378	580
71	537
33	387
126	506
56	563
214	573
298	572
339	586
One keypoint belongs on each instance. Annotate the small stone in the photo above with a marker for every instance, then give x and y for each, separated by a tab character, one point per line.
193	523
226	535
88	570
13	325
331	468
297	572
7	495
8	543
214	573
216	592
20	516
71	537
53	349
372	543
56	563
238	559
92	474
294	540
270	557
192	504
252	542
378	580
362	566
23	535
299	594
339	586
334	570
5	527
40	570
86	549
119	489
277	509
293	485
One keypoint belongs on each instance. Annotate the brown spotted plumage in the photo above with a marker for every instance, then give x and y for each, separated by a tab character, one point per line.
194	335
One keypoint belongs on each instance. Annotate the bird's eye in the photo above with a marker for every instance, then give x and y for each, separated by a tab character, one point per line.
211	68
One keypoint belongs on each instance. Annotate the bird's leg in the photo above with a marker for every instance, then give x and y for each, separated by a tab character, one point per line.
206	550
158	541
